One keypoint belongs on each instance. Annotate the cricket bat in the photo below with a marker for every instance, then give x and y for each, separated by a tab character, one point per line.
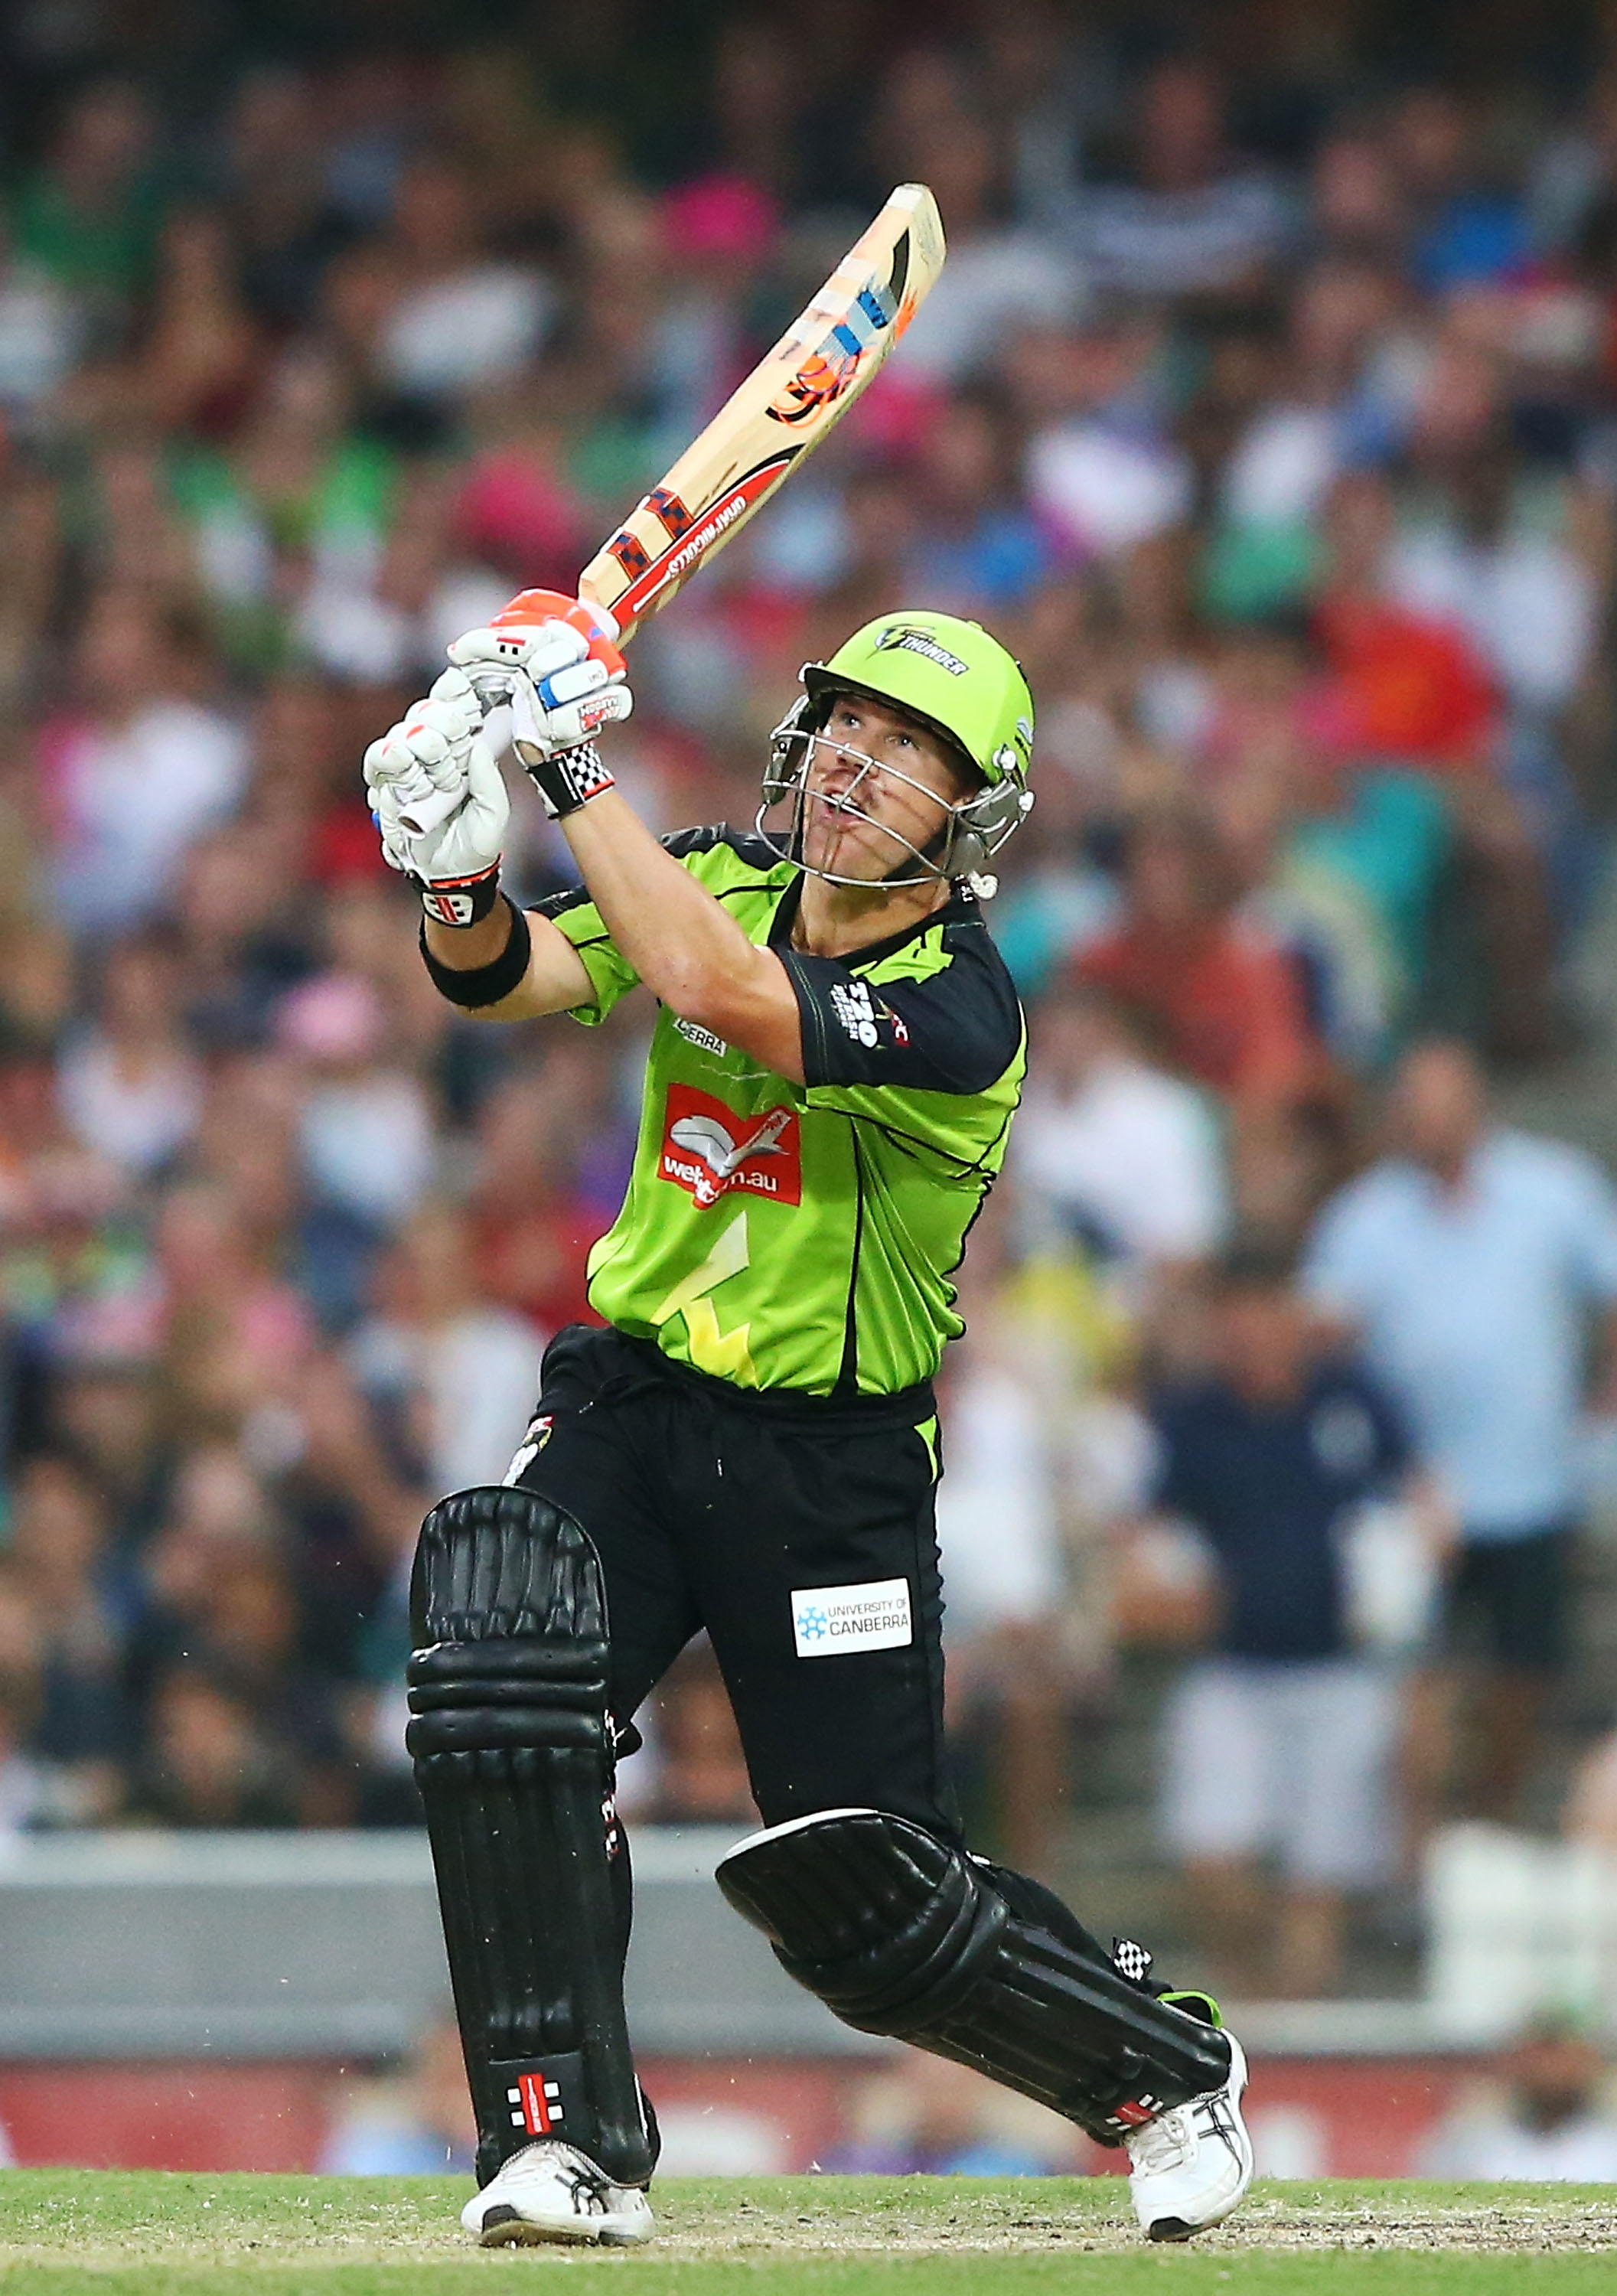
831	353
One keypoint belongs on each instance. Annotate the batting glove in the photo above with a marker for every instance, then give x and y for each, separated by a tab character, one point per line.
439	803
556	662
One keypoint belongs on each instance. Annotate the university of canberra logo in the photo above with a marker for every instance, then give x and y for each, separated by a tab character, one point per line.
708	1150
873	1615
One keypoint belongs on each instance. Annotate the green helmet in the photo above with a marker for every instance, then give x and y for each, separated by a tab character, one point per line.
949	673
956	680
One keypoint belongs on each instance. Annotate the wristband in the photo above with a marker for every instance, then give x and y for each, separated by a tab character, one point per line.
569	779
482	985
459	901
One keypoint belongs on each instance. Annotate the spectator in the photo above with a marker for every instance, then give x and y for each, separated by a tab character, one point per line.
1218	994
131	1087
996	277
366	1130
701	1774
57	1561
146	768
460	319
1123	1155
1103	470
532	1223
1000	1536
208	1764
1470	1260
88	216
24	1797
934	2118
1548	2118
457	1374
1278	1741
1196	218
415	2121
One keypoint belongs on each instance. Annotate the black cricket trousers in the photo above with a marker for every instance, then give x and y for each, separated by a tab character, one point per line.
713	1507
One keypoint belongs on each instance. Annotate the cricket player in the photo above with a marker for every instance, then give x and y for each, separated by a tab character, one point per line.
750	1445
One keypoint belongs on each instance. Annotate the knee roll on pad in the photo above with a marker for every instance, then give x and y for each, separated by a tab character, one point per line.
902	1935
513	1747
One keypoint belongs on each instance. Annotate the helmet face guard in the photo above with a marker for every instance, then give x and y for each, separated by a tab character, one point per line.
973	830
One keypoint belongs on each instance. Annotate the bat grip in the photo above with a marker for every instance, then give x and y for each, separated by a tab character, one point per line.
429	811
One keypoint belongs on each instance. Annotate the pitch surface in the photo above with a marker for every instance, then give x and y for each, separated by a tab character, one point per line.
107	2232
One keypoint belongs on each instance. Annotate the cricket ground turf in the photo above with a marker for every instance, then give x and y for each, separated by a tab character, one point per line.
110	2231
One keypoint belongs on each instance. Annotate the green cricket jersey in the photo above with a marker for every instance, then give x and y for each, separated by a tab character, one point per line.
787	1236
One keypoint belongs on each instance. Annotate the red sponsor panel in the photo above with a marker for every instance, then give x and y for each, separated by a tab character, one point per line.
1310	2116
708	1150
196	2116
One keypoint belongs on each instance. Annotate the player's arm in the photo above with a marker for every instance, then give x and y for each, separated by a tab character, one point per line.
554	981
566	679
684	945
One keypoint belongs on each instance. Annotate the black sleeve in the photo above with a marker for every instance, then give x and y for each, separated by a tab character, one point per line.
956	1030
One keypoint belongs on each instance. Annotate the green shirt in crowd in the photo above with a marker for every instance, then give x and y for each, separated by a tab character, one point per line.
787	1236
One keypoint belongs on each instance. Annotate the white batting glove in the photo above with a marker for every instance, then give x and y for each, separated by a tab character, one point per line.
555	661
439	802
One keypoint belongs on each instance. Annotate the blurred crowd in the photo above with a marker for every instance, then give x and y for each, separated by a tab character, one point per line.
1267	407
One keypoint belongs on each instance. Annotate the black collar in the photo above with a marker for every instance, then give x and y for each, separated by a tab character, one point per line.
960	908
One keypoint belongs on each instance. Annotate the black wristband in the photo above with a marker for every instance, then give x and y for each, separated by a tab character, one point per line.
459	901
484	984
570	779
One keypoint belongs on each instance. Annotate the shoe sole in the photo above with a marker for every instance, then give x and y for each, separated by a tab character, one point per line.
503	2228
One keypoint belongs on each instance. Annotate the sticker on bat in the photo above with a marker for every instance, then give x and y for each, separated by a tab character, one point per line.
831	371
673	564
632	556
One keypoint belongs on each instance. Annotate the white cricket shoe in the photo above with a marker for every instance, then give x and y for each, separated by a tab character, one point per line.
552	2192
1192	2165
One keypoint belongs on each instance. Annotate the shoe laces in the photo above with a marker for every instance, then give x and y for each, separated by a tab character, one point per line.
587	2186
1163	2144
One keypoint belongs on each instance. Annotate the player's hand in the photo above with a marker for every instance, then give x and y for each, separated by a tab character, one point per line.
439	802
557	662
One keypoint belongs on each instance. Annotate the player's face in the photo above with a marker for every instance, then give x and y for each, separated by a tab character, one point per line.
880	788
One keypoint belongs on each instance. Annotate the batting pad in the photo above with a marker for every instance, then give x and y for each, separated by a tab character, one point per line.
512	1747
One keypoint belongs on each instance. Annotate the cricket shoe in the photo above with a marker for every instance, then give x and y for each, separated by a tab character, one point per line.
552	2192
1190	2166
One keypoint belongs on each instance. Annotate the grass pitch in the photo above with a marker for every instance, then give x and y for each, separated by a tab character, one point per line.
114	2234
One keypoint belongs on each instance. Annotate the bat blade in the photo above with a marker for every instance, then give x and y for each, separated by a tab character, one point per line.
792	398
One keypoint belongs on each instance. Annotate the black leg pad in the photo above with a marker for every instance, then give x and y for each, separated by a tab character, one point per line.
512	1746
902	1935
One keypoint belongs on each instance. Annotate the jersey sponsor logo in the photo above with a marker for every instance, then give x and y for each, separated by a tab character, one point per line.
703	1038
541	1427
863	1014
827	1620
708	1150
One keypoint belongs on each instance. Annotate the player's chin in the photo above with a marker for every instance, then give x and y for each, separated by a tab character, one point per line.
849	857
843	845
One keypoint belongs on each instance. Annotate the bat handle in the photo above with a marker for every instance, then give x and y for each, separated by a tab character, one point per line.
429	809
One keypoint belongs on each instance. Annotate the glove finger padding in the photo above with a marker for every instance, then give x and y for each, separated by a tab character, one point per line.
541	650
459	845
